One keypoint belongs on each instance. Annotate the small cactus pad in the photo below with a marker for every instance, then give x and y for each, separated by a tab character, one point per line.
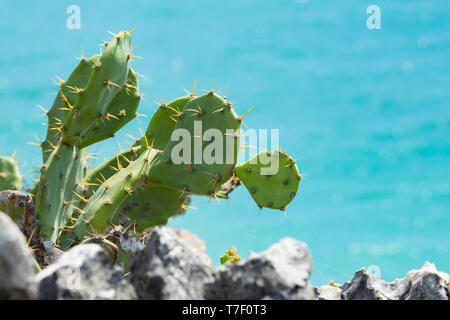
212	159
274	190
10	178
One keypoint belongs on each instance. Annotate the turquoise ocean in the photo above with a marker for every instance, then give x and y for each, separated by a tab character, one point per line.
365	112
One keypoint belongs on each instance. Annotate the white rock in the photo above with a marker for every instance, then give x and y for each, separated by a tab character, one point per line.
16	262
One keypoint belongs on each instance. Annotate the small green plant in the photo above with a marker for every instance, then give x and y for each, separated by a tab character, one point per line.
230	256
142	186
10	178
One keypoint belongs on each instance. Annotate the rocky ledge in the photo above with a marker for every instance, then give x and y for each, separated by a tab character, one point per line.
174	265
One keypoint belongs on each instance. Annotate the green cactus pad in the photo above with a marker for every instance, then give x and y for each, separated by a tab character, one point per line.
107	78
108	168
162	123
230	256
196	175
57	113
150	206
107	199
55	190
10	178
120	111
274	190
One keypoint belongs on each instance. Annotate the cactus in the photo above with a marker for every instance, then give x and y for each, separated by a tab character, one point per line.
148	183
10	178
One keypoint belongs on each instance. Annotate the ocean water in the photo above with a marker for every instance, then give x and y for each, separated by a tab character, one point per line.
365	112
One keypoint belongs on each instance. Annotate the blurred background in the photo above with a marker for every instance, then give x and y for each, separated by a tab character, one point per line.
365	112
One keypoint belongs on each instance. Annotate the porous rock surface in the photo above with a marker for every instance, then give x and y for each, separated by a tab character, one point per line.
16	263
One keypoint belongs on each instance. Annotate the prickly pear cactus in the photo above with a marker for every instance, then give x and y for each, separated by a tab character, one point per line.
10	178
147	184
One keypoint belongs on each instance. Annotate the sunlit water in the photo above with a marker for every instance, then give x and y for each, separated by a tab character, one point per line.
365	112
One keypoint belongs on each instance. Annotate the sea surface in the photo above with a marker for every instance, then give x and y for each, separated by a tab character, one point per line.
365	112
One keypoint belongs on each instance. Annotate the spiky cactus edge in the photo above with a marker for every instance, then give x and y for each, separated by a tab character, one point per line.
141	186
